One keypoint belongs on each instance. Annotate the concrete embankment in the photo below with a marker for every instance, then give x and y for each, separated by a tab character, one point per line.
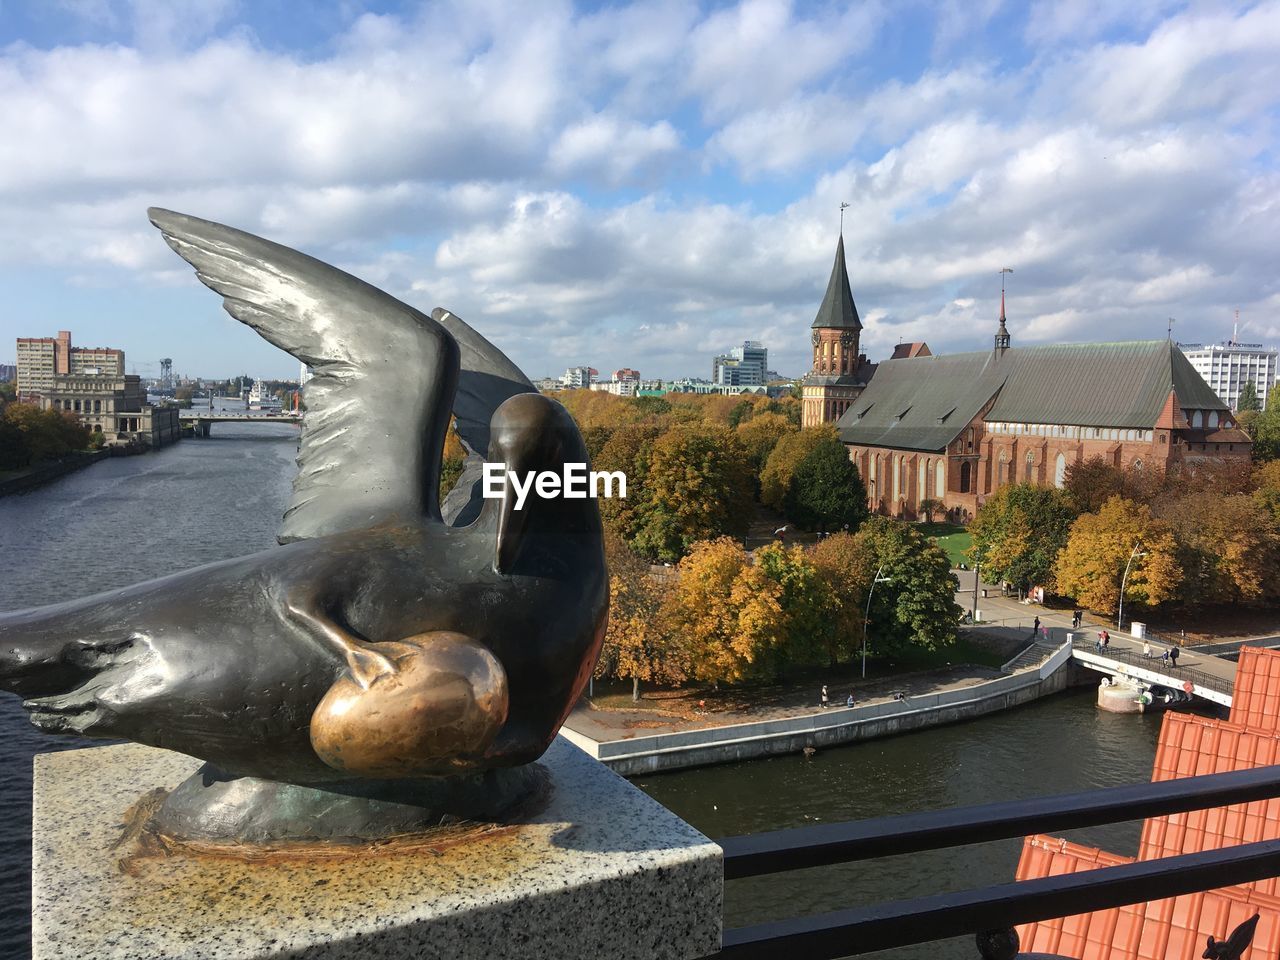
744	741
44	473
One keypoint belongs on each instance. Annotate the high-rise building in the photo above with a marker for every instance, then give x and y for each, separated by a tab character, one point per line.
1229	365
8	371
743	366
840	373
40	359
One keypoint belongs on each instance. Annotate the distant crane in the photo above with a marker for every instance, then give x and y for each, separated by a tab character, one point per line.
166	374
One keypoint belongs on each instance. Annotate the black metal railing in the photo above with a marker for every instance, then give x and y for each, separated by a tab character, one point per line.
1156	665
865	929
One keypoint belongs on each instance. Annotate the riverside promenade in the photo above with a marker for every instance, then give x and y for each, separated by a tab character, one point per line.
640	741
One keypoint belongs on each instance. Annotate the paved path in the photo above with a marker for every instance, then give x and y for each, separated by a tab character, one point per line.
608	725
1011	614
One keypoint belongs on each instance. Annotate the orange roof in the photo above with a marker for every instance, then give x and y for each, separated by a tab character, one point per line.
1189	746
1255	702
904	351
1175	929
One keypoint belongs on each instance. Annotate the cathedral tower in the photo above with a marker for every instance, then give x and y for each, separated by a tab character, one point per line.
839	372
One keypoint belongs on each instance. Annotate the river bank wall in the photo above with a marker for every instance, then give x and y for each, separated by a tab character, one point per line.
746	741
48	472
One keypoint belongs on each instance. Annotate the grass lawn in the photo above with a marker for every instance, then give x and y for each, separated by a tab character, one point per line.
955	540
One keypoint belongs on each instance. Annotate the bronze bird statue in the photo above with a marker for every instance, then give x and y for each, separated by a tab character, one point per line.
381	642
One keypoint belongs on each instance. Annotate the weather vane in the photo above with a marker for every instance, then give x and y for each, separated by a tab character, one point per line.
1003	271
843	206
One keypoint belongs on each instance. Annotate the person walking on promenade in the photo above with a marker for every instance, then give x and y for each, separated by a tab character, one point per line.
1173	656
1106	641
826	701
1075	619
1164	657
1146	649
1035	629
849	702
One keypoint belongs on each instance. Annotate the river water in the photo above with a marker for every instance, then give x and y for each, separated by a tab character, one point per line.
130	519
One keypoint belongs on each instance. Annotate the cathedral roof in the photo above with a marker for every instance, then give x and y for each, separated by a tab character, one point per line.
838	310
923	403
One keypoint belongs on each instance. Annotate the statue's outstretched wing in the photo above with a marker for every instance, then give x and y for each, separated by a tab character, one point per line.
385	375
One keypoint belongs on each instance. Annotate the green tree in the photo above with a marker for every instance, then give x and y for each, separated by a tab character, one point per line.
916	606
47	434
1091	566
847	563
629	449
787	453
1264	429
1019	532
698	486
1248	398
825	492
808	607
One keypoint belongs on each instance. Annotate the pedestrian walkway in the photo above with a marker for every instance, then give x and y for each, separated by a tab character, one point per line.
1210	676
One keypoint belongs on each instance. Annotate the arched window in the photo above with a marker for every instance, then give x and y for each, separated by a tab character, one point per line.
1213	419
1197	419
964	476
922	480
940	489
1003	473
1060	471
969	441
897	478
1031	463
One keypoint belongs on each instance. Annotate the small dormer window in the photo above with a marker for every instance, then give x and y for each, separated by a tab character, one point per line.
905	411
865	410
943	418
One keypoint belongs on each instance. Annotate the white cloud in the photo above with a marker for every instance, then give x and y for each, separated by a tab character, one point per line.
613	150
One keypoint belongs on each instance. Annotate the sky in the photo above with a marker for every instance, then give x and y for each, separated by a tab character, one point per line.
647	185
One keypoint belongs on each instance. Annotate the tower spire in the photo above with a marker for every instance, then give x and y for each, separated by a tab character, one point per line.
1002	334
843	206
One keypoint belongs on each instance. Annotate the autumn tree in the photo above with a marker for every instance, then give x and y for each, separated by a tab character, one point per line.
698	486
808	607
825	491
629	449
847	563
46	434
638	643
1091	566
1091	483
727	612
761	434
1019	532
1228	547
1266	487
790	450
916	606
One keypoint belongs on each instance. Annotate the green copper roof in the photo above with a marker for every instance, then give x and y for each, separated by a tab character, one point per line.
922	403
838	310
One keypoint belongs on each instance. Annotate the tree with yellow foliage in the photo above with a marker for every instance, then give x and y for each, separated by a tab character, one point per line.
787	454
1228	546
698	486
726	611
761	434
1091	566
638	643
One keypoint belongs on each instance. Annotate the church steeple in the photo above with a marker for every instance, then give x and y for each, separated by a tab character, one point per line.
838	311
1002	334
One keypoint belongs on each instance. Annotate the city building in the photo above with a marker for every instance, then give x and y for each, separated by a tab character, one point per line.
115	406
578	378
905	351
955	428
8	371
744	366
1229	365
1179	926
40	359
839	373
698	385
624	383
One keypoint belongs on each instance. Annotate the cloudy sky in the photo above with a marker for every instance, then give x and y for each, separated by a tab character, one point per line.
646	185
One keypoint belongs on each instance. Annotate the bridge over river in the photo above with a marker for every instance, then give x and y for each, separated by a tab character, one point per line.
201	421
1203	675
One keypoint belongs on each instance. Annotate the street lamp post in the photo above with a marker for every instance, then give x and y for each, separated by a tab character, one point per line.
870	592
1125	579
977	580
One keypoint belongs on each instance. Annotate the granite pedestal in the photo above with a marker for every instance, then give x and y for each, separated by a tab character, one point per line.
602	870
